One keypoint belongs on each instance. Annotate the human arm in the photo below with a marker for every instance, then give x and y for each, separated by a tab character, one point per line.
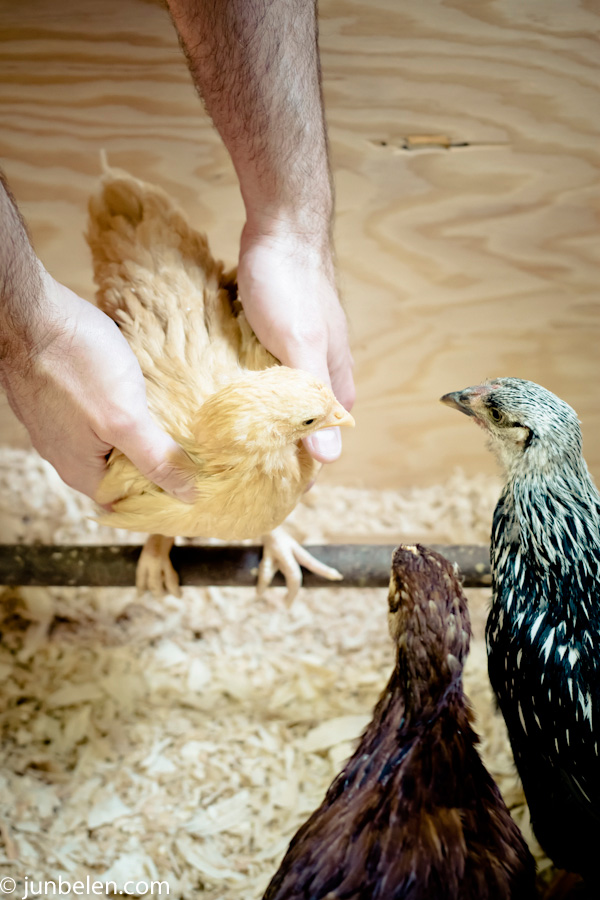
256	66
69	374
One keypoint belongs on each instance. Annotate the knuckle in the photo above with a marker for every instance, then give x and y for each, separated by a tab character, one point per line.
347	397
117	425
160	471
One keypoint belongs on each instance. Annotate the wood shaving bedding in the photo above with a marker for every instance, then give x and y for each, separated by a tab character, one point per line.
185	740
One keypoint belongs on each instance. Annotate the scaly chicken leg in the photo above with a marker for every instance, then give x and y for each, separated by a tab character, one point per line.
282	552
155	572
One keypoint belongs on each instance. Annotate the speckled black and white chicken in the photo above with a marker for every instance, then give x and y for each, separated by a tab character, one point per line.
414	814
543	631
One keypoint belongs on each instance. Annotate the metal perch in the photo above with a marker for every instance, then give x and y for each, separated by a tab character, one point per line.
362	565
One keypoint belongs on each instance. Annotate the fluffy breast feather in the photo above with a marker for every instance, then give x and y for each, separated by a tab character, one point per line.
234	503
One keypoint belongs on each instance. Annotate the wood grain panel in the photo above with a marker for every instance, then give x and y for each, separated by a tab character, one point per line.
456	263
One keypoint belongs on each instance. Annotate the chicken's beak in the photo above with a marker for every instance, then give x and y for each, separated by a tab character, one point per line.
460	400
338	416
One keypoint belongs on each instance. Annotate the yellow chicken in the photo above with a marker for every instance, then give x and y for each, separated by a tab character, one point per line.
238	414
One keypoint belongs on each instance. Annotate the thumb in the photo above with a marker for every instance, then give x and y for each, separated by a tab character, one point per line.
325	446
161	460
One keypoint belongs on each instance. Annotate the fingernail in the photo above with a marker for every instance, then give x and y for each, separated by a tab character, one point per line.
326	444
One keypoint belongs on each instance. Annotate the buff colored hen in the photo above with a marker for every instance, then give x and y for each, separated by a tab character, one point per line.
238	414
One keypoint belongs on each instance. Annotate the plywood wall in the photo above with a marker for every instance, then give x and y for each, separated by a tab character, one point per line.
471	256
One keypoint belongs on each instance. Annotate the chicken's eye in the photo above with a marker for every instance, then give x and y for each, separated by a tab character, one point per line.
308	421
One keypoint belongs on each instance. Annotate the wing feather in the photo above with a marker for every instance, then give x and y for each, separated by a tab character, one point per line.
173	301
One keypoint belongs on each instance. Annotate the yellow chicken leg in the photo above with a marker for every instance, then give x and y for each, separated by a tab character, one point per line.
155	571
281	552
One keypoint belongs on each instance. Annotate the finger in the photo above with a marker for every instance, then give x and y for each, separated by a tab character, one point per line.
342	382
161	460
325	446
309	359
335	371
83	475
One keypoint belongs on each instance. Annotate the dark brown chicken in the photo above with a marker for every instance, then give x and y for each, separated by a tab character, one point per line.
414	815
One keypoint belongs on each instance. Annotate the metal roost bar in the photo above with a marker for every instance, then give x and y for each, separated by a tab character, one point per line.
362	565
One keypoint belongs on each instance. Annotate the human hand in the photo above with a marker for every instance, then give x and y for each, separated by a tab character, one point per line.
288	292
81	392
257	69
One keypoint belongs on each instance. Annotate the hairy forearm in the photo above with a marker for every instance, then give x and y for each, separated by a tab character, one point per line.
25	306
21	287
256	65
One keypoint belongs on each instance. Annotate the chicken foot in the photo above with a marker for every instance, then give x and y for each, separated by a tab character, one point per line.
282	552
155	572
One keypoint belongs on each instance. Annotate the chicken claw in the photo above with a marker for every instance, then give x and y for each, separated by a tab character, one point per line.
282	552
155	572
